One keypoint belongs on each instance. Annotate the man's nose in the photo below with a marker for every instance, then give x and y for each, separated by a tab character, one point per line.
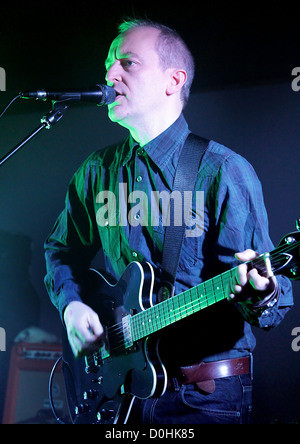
114	73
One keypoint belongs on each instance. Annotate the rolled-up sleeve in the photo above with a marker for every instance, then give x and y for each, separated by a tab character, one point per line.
73	242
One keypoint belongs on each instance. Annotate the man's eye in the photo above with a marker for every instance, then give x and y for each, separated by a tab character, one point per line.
128	63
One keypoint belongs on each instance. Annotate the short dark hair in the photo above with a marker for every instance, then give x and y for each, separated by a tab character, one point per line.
171	48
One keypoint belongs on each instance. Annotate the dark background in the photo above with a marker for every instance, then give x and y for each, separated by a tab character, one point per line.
241	97
66	44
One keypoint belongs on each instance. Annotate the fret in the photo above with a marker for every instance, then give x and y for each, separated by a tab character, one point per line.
182	307
218	290
171	310
135	331
191	308
176	310
143	326
195	298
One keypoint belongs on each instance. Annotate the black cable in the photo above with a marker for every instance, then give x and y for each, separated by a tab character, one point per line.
10	103
71	380
60	421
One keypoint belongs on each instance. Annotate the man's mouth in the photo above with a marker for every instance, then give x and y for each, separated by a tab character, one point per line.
119	94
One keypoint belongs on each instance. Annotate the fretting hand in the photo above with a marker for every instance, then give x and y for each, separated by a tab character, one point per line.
242	277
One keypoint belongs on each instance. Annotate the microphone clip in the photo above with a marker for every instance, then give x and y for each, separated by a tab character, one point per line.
54	116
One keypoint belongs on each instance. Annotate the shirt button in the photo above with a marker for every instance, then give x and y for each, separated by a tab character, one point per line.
134	255
139	179
140	151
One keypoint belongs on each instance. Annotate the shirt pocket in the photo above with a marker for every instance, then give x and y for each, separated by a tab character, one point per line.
191	252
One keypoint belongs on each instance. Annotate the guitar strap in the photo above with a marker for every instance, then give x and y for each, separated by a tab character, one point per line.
185	180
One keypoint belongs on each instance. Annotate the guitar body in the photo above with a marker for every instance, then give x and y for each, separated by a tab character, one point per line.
101	388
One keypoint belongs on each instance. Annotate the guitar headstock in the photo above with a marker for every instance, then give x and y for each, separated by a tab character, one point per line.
285	259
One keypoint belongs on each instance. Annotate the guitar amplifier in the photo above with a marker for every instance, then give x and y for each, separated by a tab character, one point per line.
27	395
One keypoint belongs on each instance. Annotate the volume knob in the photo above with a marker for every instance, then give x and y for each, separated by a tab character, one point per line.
90	394
107	414
81	408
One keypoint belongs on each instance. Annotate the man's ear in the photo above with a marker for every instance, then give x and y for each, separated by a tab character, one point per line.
177	79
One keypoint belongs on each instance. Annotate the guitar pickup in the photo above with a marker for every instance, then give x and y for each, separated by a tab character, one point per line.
128	341
90	364
104	351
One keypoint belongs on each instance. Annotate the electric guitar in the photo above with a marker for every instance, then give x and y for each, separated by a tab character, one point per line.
101	388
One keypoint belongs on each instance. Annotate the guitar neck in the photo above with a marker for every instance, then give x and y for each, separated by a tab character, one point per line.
180	306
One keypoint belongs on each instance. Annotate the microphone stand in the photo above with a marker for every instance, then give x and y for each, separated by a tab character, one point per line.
58	110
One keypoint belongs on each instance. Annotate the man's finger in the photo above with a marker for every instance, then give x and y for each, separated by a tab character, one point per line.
246	255
257	281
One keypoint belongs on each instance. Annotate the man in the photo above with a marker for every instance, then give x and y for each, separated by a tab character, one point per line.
151	70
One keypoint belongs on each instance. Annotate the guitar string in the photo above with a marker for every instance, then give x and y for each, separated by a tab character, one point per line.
189	308
206	299
155	307
186	308
163	321
120	325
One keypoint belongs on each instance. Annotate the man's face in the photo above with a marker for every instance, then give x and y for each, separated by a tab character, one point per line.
134	71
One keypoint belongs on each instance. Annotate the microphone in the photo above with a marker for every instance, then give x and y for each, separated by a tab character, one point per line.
101	95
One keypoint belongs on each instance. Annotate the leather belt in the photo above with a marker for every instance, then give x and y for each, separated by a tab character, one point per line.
203	374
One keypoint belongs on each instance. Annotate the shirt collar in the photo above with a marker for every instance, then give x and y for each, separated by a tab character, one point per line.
164	150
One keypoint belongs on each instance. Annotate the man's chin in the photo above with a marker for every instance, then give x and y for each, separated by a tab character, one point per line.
112	114
115	114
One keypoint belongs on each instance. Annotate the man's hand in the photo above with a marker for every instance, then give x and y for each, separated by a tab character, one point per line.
85	332
243	277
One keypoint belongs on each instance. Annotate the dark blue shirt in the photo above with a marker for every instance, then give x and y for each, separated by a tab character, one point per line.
112	205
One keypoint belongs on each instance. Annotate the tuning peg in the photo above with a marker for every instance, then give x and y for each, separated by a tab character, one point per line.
298	224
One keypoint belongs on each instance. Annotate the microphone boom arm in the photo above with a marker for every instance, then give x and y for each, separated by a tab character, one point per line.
57	112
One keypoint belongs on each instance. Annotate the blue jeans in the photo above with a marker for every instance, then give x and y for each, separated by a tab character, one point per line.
230	403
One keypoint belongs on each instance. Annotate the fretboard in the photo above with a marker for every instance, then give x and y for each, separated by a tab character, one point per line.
180	306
